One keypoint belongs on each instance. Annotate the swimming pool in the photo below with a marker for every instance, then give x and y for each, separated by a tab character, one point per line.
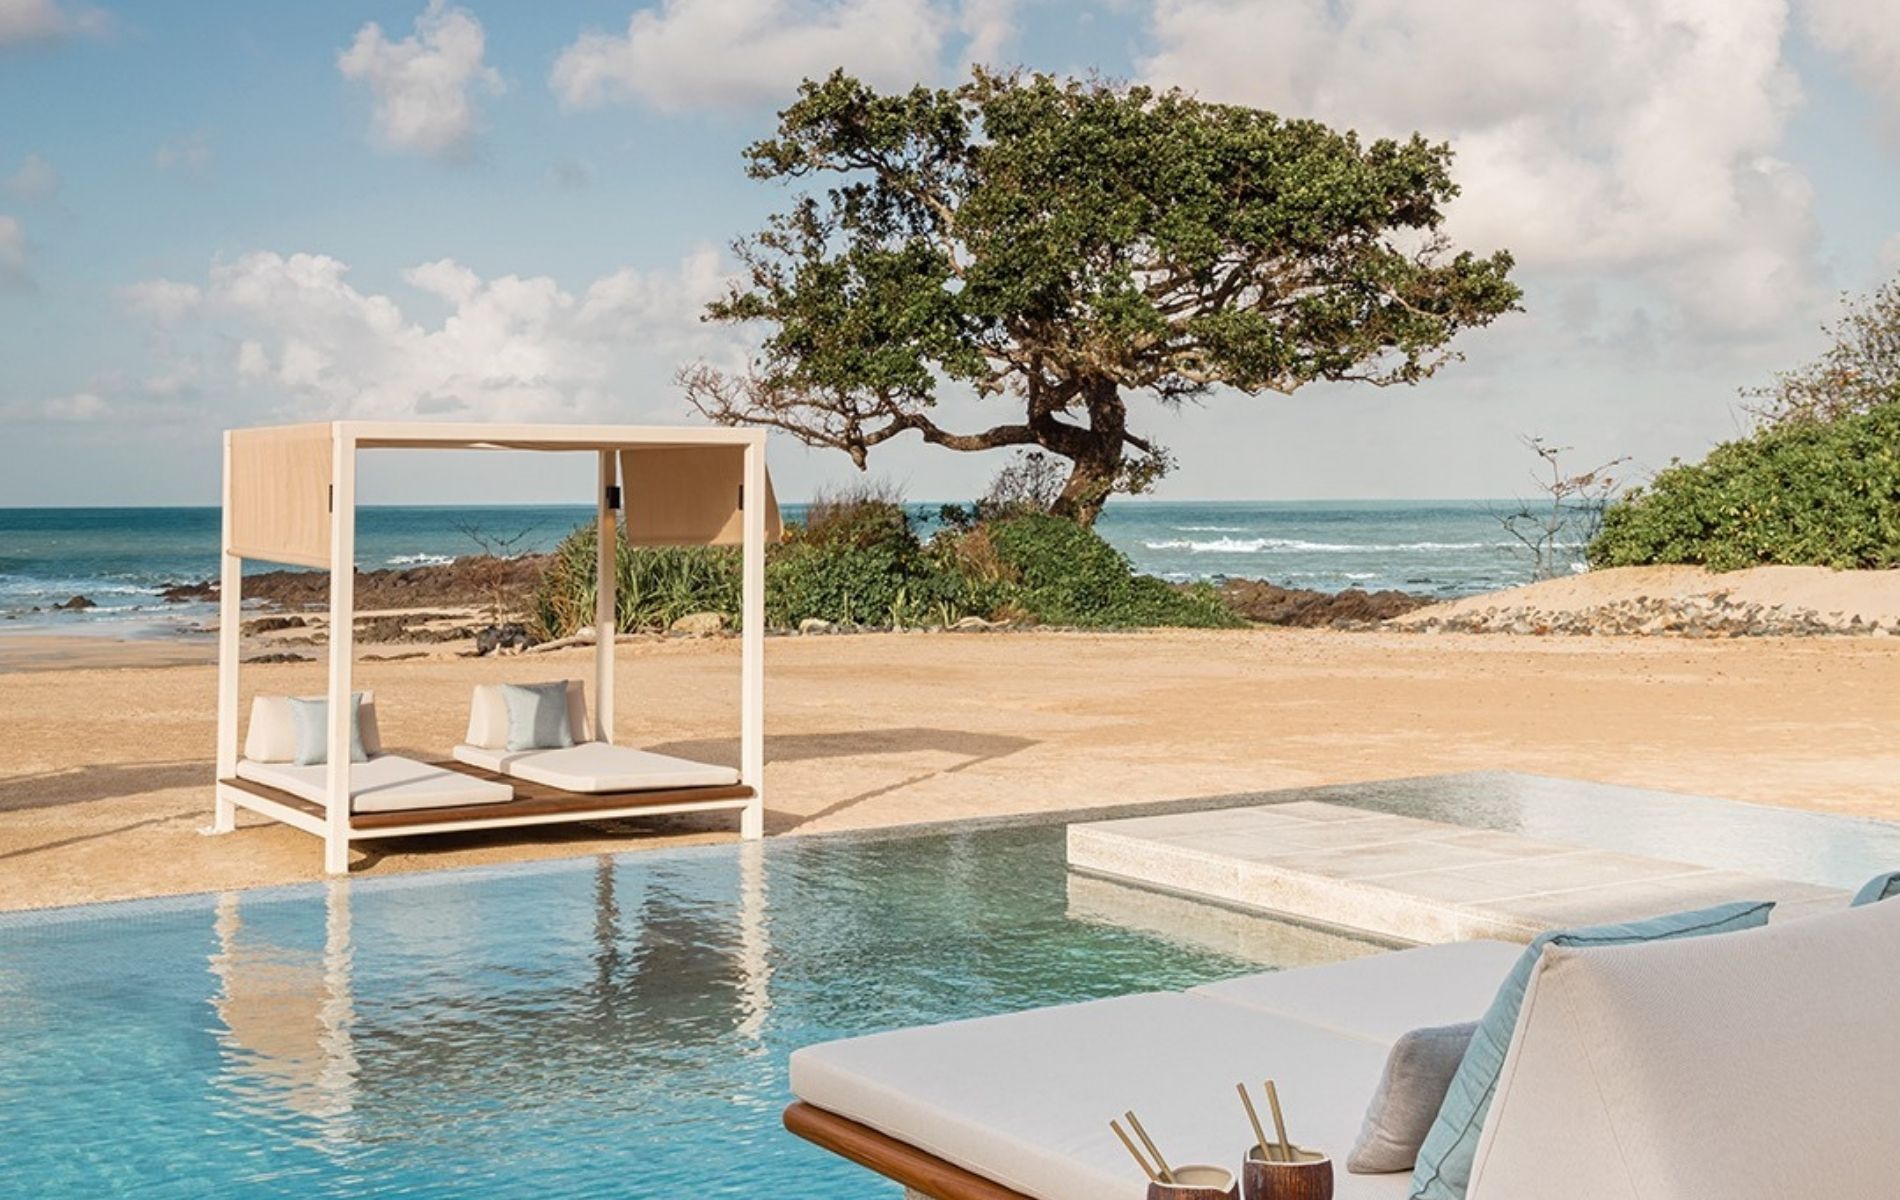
593	1028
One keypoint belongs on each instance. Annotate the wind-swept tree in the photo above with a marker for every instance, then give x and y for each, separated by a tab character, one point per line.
1064	244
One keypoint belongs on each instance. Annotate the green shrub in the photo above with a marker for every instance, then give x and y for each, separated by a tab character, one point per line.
1062	573
858	561
653	585
1802	492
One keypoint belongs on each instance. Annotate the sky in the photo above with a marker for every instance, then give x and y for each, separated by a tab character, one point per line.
216	214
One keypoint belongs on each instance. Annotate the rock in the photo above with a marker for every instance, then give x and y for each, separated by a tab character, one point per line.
76	604
502	639
278	656
273	624
806	627
699	624
1264	603
180	593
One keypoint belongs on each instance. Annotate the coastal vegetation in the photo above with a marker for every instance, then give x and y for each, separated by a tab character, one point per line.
858	561
1816	484
1057	244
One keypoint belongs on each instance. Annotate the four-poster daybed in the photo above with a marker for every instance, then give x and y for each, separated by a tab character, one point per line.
290	497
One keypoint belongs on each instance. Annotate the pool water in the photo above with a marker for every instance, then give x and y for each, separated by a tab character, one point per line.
595	1028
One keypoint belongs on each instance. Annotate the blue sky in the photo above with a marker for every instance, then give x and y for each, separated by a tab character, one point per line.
218	213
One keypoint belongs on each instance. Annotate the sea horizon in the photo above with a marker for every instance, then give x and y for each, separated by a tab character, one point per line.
121	557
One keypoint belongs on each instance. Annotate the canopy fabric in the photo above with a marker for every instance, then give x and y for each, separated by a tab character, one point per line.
278	493
689	496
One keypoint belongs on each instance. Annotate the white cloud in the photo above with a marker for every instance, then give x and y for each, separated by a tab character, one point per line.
424	85
161	298
80	406
35	180
511	346
1591	134
739	53
990	26
23	21
1867	34
190	154
13	271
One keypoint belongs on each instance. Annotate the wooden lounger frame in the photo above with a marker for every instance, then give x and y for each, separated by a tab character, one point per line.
901	1162
534	804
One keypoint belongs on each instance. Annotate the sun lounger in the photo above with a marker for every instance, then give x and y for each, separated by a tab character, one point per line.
592	768
1023	1100
1755	1065
386	783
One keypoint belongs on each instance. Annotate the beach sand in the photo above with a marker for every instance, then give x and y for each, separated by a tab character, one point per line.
105	772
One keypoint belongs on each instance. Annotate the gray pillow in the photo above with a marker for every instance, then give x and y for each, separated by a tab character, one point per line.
1880	887
312	715
537	716
1418	1072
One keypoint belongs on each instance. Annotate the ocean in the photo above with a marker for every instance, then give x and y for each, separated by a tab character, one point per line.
119	558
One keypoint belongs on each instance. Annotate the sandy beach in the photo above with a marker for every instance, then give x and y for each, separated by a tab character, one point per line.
104	779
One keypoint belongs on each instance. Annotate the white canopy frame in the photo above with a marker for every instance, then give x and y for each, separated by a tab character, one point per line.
290	497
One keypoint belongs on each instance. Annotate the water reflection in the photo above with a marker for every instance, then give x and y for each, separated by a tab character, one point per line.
395	1000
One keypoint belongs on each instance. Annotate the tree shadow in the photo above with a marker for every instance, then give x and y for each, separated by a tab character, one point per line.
101	781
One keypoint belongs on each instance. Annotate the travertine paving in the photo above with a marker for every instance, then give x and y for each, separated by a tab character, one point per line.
1402	877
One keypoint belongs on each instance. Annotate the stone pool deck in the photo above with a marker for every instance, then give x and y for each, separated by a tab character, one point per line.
1406	878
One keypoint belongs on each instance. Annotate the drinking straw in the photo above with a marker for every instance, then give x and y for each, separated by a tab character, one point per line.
1167	1172
1279	1122
1139	1160
1253	1118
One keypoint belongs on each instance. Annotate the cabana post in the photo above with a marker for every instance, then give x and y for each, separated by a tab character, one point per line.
290	497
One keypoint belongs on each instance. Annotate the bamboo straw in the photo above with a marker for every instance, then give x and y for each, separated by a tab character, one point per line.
1139	1160
1167	1172
1279	1122
1253	1118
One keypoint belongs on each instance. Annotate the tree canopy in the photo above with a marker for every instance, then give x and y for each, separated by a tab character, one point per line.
1060	244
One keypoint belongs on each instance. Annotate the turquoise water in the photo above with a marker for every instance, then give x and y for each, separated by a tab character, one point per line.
593	1028
120	557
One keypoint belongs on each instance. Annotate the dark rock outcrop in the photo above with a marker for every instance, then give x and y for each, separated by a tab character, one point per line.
1267	604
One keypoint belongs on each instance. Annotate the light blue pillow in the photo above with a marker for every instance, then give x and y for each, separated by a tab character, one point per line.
537	716
1880	887
1444	1163
312	714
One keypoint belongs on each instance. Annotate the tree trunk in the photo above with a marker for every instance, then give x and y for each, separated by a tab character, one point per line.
1095	454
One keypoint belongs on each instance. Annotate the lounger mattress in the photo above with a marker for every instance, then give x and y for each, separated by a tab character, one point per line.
386	783
1382	997
596	768
1025	1099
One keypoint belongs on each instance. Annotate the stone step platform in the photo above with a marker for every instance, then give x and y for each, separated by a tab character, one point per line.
1404	878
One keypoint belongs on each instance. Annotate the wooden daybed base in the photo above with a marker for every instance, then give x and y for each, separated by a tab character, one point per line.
533	802
898	1161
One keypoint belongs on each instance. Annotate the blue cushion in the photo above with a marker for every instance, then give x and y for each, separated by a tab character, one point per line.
537	716
1444	1163
1880	887
312	715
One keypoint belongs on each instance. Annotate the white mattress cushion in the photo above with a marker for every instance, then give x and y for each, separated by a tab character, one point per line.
386	783
488	715
596	767
1383	997
1025	1099
1760	1063
271	734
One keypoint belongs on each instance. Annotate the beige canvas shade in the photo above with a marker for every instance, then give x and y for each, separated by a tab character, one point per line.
689	496
280	488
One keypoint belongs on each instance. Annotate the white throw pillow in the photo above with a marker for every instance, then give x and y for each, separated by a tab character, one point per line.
272	734
488	716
